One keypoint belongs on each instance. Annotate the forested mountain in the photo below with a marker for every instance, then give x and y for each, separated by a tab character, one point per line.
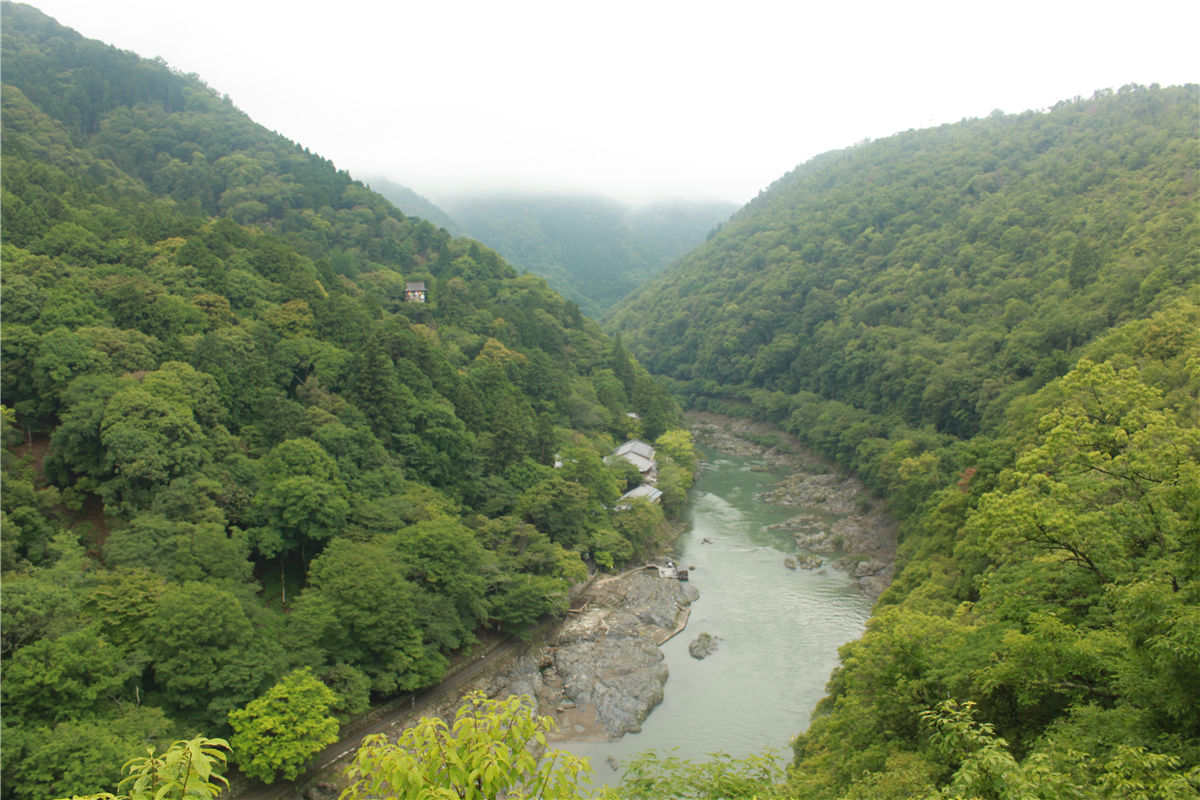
593	250
233	449
996	324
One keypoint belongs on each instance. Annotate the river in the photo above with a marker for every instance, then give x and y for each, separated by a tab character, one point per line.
779	629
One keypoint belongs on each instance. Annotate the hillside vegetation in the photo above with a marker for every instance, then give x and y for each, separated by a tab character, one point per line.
233	450
997	325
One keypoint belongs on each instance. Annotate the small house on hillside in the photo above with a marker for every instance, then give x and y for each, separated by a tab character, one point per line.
641	455
414	292
645	492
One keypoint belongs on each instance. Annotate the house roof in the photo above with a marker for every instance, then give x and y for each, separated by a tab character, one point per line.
645	491
636	446
638	453
414	286
641	464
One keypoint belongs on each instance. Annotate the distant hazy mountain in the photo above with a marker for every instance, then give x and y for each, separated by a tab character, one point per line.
591	249
411	203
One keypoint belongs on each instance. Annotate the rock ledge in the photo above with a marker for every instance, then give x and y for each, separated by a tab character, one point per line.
601	672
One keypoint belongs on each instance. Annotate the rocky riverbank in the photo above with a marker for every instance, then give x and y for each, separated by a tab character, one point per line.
601	672
840	517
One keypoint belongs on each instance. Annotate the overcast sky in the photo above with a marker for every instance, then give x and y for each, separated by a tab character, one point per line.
634	99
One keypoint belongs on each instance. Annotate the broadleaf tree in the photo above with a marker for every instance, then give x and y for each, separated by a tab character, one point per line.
494	748
277	734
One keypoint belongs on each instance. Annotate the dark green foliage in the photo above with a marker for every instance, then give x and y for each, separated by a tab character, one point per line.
207	656
932	276
558	508
444	558
361	608
180	550
29	520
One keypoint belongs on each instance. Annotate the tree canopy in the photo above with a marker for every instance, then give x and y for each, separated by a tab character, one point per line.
494	748
278	733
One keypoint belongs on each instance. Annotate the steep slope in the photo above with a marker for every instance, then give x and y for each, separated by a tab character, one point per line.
935	274
997	325
593	250
234	447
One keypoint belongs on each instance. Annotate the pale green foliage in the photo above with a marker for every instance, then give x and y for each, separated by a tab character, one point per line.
904	776
69	677
984	767
1113	479
650	776
1134	773
677	444
494	748
677	466
279	732
185	770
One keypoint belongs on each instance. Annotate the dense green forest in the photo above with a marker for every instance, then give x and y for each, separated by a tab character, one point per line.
244	479
592	250
996	324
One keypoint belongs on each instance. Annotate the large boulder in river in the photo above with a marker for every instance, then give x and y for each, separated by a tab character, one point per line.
704	645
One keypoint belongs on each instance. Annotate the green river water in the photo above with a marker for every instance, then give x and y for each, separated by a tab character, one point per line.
780	630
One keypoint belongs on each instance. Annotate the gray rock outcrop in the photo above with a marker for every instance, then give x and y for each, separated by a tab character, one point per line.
703	646
606	659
